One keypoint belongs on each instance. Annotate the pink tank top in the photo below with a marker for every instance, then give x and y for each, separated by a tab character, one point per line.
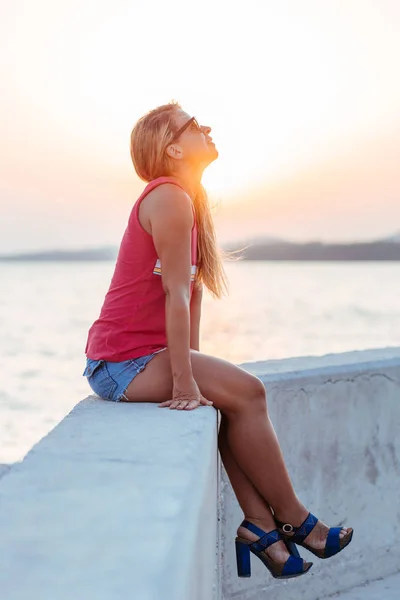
132	318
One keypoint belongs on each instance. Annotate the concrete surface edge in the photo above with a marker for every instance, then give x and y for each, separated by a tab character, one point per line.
117	501
337	418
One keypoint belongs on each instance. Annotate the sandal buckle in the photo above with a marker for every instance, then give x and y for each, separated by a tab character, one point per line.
287	530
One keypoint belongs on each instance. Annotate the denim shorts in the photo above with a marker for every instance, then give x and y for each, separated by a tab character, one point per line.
109	380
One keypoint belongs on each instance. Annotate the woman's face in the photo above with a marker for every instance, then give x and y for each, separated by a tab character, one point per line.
193	146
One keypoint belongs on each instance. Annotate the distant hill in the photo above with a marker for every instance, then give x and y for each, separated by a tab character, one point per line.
97	254
318	251
270	248
258	248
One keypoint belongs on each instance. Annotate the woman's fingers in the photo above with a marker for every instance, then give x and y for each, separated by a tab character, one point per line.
185	404
205	401
166	403
192	404
175	403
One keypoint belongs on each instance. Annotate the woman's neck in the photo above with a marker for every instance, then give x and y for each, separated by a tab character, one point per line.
190	181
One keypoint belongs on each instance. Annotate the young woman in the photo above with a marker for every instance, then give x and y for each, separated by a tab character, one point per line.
144	347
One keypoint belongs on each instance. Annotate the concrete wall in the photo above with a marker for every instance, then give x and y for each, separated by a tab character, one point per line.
337	418
117	502
123	500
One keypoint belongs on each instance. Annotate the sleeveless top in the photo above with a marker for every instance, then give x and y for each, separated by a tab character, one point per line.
132	318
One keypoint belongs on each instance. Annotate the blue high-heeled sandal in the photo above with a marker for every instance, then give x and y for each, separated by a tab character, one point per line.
293	567
334	543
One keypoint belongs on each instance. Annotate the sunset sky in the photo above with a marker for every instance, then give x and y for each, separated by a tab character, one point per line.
303	99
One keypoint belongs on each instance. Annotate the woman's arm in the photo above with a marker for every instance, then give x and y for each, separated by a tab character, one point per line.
171	219
195	312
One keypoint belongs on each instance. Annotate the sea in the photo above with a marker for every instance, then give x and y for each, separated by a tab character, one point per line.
273	310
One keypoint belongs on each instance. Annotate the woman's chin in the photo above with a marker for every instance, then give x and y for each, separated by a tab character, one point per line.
213	150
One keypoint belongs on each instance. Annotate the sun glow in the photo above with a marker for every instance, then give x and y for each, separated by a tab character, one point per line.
280	83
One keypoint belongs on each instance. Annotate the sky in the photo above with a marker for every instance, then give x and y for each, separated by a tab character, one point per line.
303	99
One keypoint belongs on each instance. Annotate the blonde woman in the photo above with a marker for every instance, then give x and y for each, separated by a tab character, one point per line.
144	347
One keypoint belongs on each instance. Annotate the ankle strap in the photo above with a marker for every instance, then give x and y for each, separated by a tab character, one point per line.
251	527
265	538
300	532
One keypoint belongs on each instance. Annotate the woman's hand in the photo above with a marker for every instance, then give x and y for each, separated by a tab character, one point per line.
186	397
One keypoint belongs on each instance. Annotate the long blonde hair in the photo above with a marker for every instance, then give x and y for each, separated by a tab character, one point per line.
149	138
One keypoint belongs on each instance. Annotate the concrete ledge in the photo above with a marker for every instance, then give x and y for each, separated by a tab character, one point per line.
117	501
122	500
337	418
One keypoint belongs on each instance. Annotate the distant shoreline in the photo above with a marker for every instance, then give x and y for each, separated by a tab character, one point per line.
383	250
318	251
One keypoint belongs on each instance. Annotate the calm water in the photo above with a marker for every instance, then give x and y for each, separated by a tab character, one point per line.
274	310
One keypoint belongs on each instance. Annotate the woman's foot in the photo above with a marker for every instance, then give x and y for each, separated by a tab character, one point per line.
277	551
317	536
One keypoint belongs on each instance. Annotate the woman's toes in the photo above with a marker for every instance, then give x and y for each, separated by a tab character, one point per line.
343	532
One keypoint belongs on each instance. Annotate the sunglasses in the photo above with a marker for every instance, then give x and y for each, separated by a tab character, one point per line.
192	122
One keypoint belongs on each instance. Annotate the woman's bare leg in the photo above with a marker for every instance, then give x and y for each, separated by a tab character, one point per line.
254	506
249	442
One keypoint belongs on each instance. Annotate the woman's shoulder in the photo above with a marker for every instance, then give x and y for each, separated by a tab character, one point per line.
165	186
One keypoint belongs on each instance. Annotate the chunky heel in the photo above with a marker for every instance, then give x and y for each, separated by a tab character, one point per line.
293	567
242	559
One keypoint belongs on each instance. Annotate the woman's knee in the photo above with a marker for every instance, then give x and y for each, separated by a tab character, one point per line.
259	394
231	388
255	399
